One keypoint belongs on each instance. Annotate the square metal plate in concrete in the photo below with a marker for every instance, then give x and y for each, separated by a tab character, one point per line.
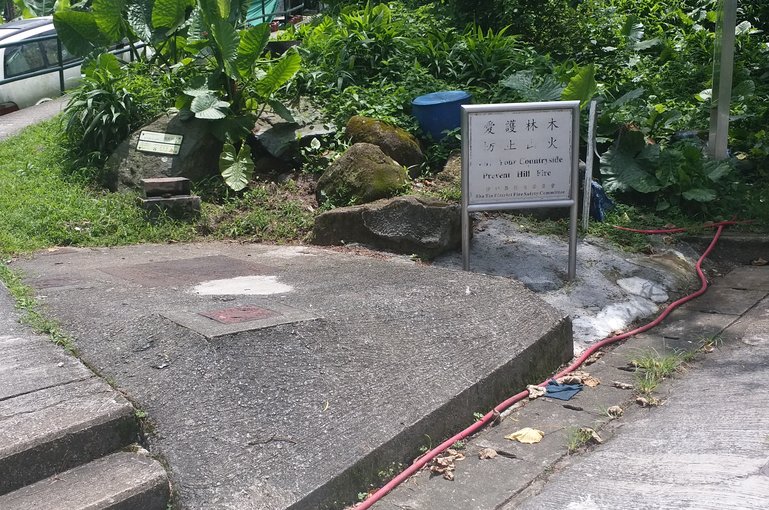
240	314
187	271
246	317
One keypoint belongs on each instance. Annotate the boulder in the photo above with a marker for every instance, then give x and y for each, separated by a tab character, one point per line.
283	139
197	159
407	224
362	174
397	143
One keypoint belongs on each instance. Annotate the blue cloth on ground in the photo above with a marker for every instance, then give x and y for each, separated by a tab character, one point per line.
562	391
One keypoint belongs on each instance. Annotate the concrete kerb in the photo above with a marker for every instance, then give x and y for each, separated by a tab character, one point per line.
391	310
522	471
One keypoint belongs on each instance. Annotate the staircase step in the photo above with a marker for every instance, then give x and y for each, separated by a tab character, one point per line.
56	428
121	481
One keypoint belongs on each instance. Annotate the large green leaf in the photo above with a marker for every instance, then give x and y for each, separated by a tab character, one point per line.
105	63
626	165
169	14
227	40
530	88
109	18
251	46
139	17
236	168
78	31
279	74
209	107
699	195
716	169
582	86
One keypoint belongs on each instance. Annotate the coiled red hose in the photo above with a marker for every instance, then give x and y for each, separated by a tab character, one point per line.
430	455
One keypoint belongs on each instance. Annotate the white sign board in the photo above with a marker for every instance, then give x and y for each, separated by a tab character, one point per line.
160	143
520	155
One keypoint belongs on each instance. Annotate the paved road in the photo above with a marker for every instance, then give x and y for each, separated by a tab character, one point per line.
706	448
14	122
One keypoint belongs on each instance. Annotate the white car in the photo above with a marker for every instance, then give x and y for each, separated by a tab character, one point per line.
29	46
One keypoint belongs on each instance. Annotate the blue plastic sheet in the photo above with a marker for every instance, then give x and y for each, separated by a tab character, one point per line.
562	391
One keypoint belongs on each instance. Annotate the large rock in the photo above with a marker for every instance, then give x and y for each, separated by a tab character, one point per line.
283	139
397	143
362	174
408	224
198	156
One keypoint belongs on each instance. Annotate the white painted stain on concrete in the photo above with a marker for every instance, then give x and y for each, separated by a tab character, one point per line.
243	286
644	288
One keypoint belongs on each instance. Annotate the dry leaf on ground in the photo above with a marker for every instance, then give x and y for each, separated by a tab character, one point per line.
526	435
622	385
579	377
444	465
647	402
759	262
615	411
487	453
535	391
591	434
594	357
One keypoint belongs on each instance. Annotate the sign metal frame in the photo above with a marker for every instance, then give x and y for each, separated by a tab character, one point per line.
493	204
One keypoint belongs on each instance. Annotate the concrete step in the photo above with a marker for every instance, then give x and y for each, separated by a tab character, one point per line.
121	481
52	429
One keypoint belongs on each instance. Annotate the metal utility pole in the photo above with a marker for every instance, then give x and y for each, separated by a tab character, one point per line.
723	67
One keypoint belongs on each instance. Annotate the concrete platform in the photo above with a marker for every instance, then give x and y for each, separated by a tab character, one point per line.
382	356
121	481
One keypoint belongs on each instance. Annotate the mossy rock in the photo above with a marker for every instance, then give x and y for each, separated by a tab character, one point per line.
397	143
363	174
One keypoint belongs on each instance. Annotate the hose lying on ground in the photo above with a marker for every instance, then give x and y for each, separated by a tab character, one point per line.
490	416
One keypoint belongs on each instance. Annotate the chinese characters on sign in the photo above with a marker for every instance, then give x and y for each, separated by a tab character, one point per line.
519	155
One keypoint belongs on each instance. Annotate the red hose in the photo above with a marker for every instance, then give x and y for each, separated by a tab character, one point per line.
427	457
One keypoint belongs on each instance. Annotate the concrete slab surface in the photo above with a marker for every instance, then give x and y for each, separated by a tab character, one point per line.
705	448
121	481
31	364
299	415
745	277
53	429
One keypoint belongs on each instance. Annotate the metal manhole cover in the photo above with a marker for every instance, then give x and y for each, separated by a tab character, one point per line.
239	314
252	316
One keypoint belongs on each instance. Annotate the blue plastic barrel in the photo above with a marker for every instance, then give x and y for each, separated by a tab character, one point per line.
439	111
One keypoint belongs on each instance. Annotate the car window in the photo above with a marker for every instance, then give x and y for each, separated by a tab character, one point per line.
50	49
23	58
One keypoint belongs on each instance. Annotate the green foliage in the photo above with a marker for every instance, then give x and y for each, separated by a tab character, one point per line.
677	175
101	113
236	167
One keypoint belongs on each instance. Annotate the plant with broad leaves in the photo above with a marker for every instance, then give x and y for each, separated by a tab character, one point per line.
678	175
231	82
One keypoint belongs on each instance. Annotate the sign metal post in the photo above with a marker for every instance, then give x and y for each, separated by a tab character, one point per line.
520	156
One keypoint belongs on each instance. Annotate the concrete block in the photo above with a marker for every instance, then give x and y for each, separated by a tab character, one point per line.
121	481
54	429
165	186
173	206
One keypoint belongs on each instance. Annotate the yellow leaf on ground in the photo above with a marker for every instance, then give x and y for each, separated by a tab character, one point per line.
526	435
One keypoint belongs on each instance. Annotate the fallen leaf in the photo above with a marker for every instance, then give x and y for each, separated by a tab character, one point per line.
444	463
535	391
526	435
759	262
569	379
592	435
594	357
487	453
647	402
579	377
622	385
615	411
